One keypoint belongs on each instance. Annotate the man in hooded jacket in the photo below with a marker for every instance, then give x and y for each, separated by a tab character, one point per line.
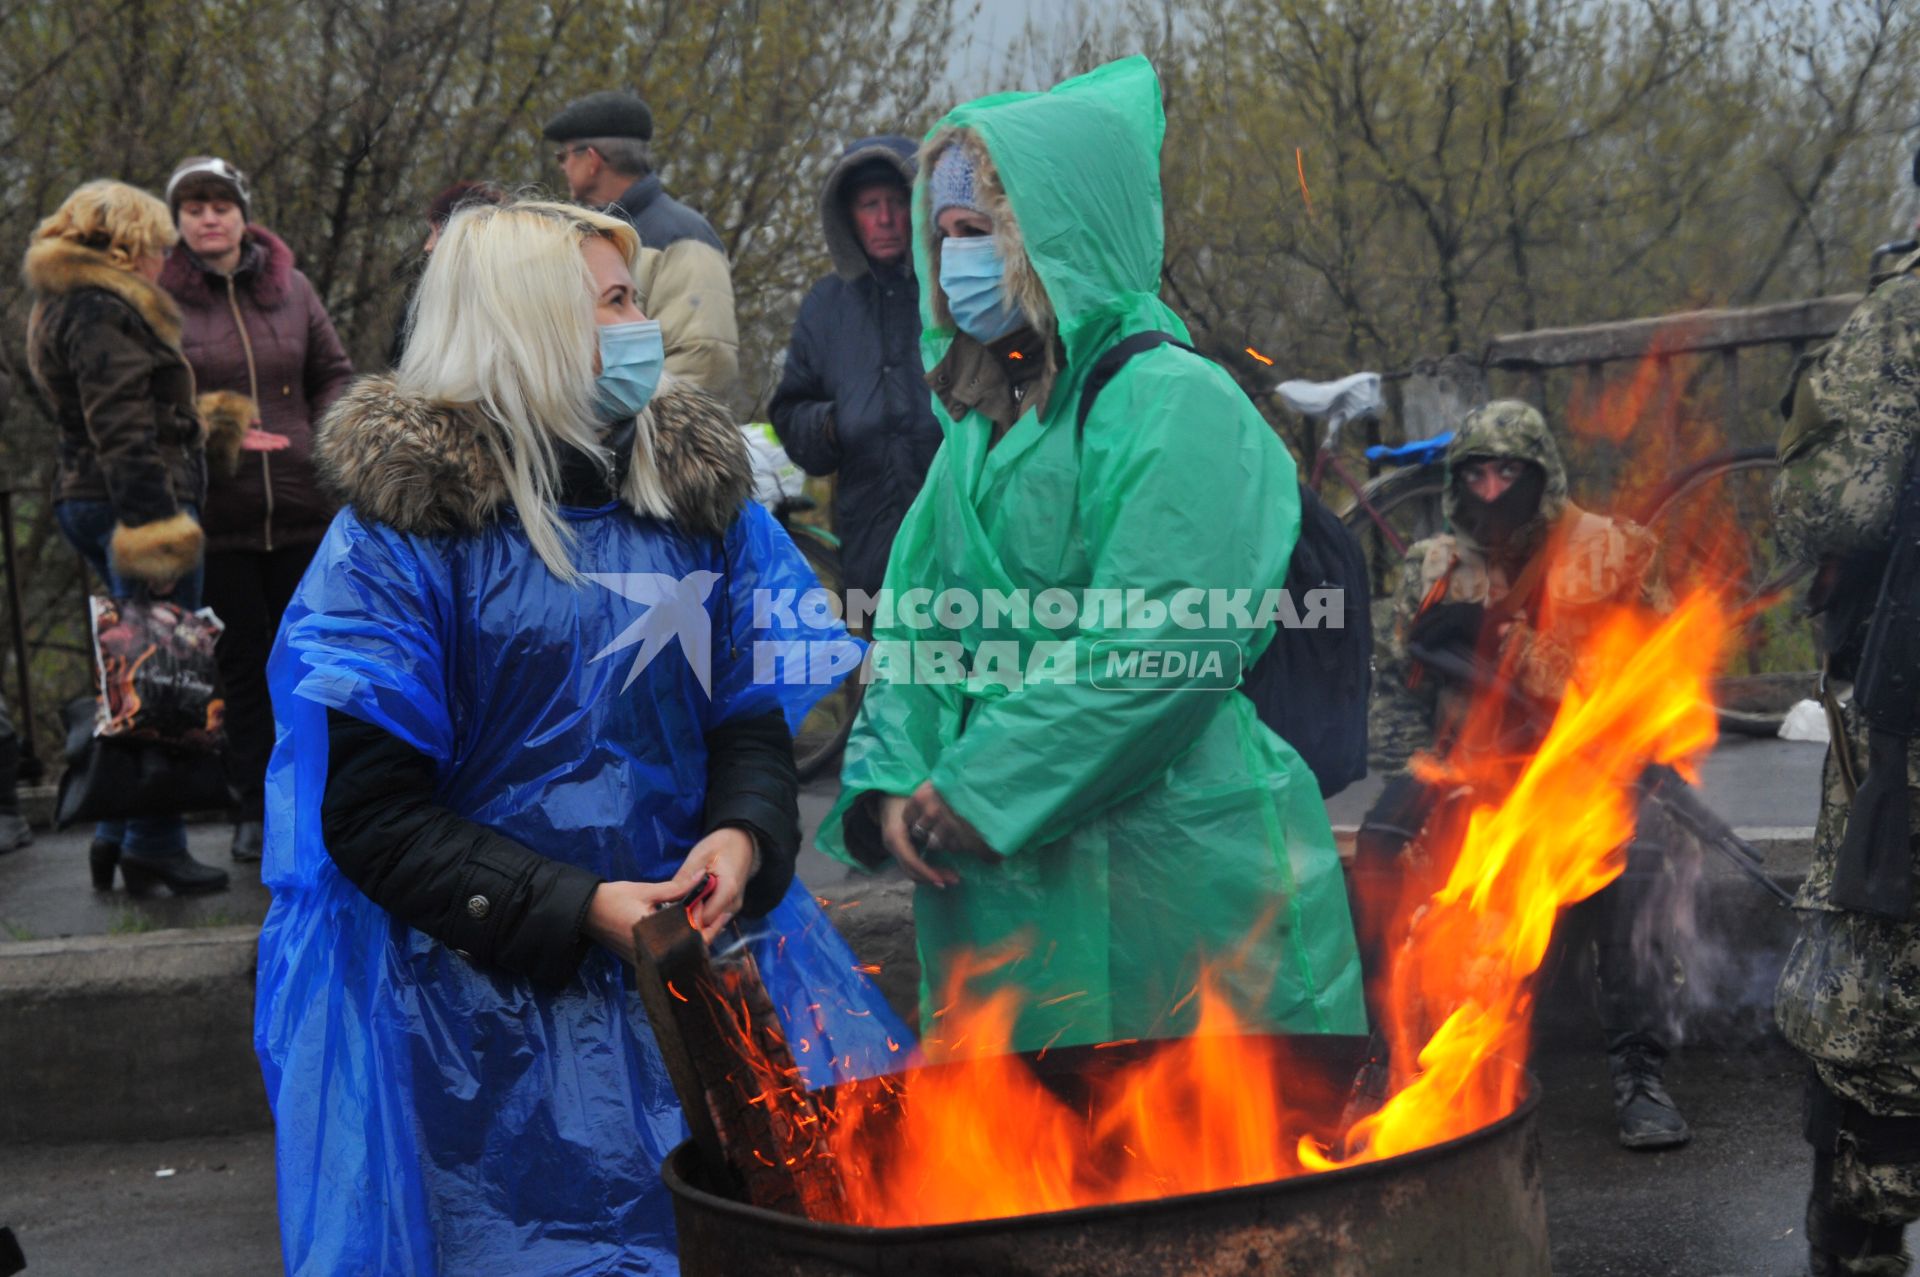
852	398
1517	585
1105	844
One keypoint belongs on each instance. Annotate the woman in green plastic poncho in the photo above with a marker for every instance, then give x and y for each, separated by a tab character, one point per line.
1116	833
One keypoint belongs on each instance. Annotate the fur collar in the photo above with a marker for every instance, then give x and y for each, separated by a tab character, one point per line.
421	467
56	267
265	273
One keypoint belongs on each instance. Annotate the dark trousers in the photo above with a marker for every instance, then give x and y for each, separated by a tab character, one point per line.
249	591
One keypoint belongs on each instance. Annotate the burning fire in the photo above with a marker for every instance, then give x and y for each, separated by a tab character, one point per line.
984	1136
1460	996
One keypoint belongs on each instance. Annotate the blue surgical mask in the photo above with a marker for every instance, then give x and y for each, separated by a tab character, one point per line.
974	280
631	358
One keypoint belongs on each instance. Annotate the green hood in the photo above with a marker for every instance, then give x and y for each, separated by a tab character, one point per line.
1080	165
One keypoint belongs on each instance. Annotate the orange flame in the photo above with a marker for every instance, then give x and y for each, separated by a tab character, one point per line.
1558	836
983	1136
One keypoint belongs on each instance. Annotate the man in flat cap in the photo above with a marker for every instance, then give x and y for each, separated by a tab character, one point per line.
603	146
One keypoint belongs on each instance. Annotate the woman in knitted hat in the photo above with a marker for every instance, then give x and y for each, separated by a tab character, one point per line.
1110	835
253	325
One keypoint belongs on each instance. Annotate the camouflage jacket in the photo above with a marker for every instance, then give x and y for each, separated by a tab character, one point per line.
1597	563
1855	416
1853	411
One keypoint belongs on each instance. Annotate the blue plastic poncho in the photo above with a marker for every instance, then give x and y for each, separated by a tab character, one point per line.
436	1117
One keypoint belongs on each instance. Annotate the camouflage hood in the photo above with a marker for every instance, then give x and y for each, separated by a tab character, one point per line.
1509	428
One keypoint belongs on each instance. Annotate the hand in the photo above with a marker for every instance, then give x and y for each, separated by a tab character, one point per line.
257	440
925	821
899	843
618	907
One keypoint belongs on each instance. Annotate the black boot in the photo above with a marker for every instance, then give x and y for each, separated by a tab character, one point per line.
14	831
102	856
1841	1246
182	875
1649	1119
249	839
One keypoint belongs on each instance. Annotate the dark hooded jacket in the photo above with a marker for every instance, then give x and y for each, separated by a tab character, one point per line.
261	333
853	397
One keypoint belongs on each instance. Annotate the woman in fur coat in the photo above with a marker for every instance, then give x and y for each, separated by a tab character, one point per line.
253	325
518	711
103	341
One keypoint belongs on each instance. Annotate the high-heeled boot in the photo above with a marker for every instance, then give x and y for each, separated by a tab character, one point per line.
181	874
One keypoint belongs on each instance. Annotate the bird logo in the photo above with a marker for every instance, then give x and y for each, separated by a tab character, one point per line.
675	608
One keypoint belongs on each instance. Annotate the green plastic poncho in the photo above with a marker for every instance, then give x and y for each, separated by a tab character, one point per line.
1143	829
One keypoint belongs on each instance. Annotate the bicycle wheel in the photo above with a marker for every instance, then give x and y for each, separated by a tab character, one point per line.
1405	503
823	733
1713	526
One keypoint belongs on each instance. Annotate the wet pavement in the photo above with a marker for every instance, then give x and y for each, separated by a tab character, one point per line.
1727	1205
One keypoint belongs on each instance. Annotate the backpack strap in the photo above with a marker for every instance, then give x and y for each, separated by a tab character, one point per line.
1113	359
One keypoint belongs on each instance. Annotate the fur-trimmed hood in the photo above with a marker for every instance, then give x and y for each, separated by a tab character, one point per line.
56	267
424	468
265	272
836	219
1022	281
1071	179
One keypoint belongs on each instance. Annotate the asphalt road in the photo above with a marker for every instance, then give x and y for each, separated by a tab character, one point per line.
1728	1205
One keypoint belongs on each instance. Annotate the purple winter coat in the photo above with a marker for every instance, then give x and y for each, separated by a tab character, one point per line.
262	333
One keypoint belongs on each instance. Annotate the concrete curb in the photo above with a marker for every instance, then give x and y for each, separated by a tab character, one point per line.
129	1037
150	1036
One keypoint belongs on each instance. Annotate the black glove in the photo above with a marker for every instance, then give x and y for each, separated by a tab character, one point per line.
1448	627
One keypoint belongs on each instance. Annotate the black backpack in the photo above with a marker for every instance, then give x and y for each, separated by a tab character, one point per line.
1310	685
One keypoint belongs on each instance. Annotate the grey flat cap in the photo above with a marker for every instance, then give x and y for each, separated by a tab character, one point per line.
608	113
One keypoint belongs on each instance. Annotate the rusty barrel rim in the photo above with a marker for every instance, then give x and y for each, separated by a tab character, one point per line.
677	1185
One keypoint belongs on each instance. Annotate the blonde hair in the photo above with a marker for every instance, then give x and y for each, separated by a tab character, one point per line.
503	325
122	222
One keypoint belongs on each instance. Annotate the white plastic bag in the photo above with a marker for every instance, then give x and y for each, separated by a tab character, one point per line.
775	477
1805	721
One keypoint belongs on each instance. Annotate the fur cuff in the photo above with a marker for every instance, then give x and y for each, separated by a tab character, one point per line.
158	553
224	418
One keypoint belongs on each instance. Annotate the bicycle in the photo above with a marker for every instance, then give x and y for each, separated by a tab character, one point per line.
1702	520
1388	512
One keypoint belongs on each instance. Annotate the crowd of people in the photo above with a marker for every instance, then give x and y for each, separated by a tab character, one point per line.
491	699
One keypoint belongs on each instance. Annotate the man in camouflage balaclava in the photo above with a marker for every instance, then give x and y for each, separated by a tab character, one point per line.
1474	599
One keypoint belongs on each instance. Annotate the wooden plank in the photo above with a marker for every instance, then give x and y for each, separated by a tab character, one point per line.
746	1106
1687	332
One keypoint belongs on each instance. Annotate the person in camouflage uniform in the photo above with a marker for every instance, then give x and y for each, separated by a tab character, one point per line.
1520	551
1849	996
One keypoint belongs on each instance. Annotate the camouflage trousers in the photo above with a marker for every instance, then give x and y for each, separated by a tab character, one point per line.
1849	999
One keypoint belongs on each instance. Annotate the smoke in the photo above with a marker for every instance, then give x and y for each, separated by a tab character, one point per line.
1706	949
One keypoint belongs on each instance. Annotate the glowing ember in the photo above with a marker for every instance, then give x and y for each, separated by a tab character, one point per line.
983	1135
